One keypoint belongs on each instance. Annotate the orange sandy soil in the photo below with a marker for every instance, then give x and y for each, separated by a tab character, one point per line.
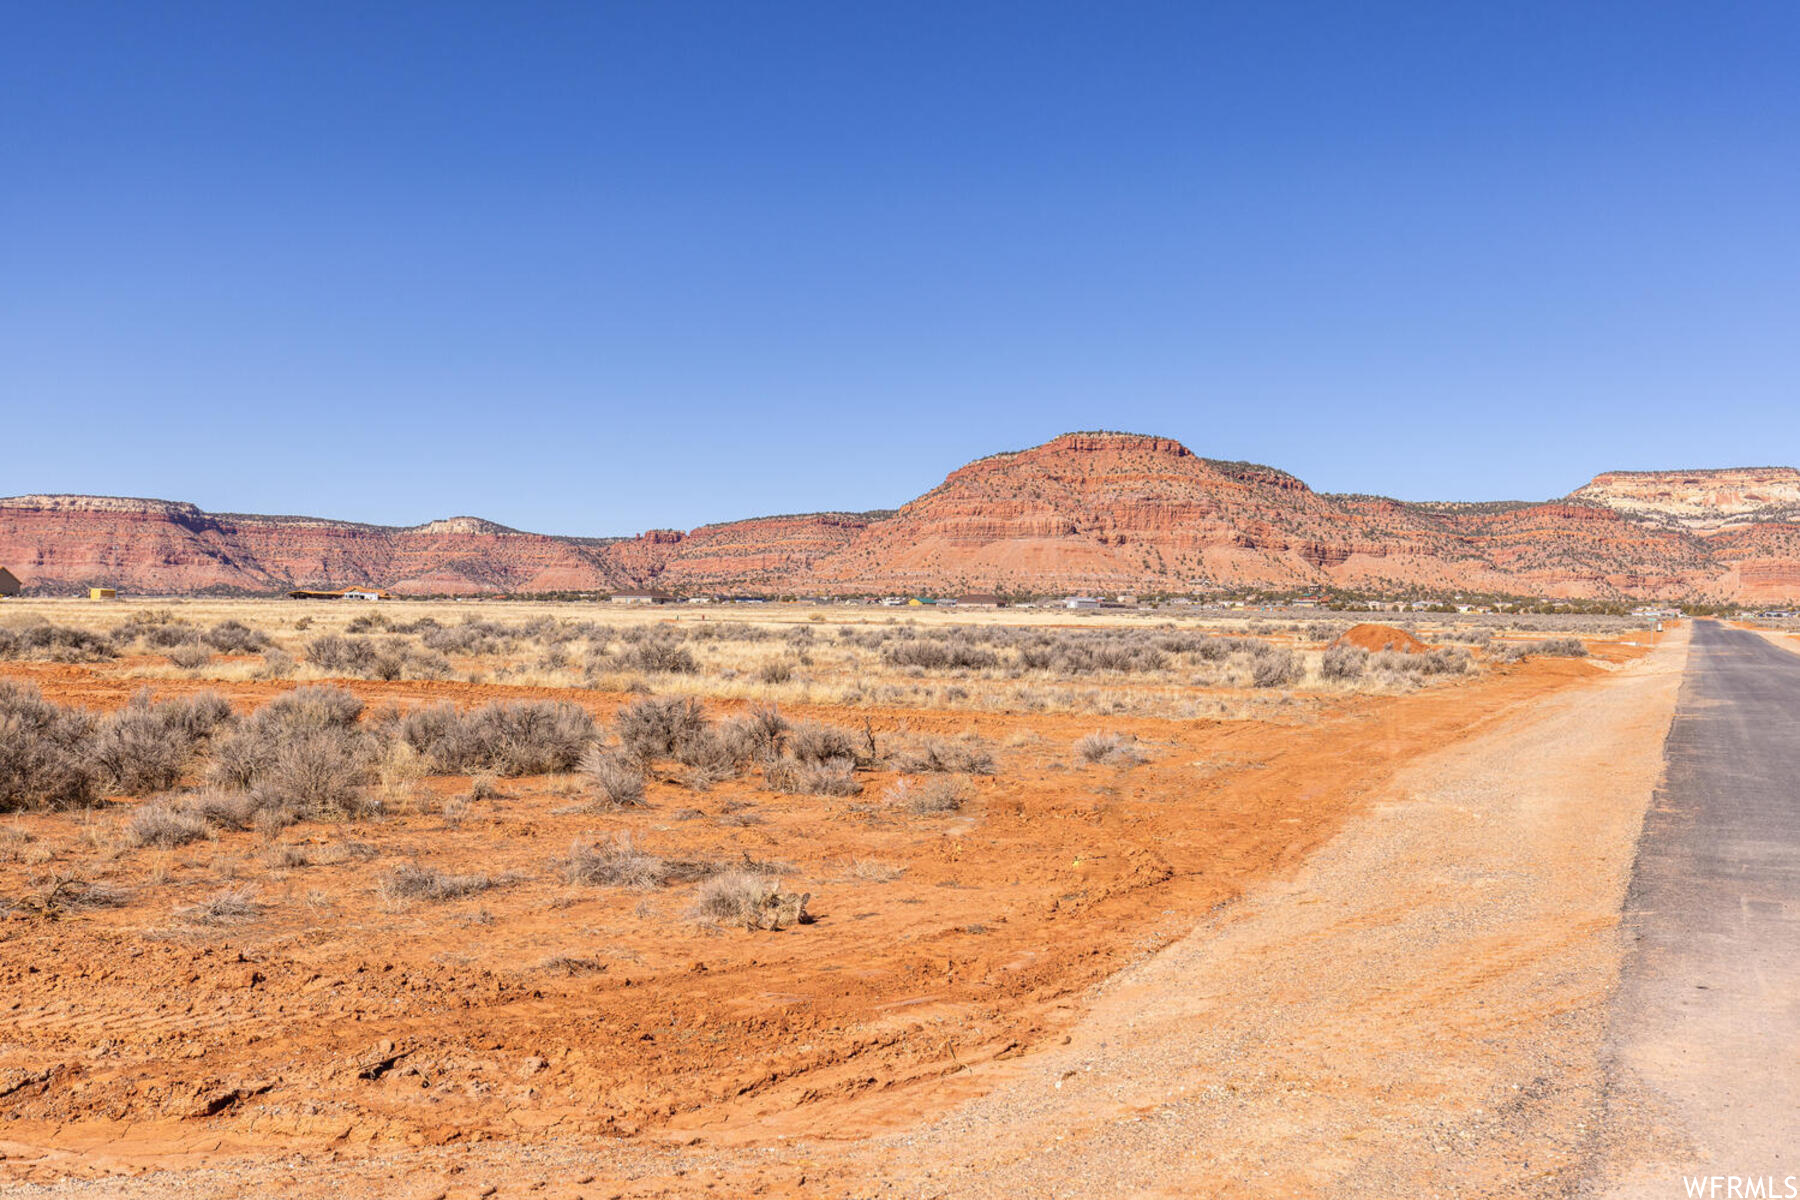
1380	637
328	1025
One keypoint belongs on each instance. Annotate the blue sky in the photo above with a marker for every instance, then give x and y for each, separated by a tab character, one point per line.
595	267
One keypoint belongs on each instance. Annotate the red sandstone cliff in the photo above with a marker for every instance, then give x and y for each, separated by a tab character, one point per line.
1085	511
156	547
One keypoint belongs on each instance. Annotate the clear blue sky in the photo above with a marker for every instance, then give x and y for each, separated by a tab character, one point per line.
594	267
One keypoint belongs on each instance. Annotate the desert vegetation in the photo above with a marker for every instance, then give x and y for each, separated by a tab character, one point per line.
721	842
1151	664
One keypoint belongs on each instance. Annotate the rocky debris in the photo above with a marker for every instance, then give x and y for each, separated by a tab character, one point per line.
379	1060
783	910
215	1099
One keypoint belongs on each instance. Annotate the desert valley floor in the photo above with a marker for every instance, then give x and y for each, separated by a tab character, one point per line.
1118	904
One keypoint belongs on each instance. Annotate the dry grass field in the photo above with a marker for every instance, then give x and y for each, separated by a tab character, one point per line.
325	879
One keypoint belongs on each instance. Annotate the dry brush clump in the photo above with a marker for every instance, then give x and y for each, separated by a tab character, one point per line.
652	727
302	754
812	742
1565	647
1394	668
164	825
234	637
616	862
758	734
968	755
148	746
229	906
1113	749
741	898
935	797
834	777
65	891
191	656
410	881
1276	668
618	778
45	757
56	643
162	630
677	729
950	654
660	655
1344	663
820	760
368	658
512	738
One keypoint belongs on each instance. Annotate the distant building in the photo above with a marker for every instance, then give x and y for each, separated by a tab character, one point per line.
102	593
980	600
359	593
645	597
9	583
1081	602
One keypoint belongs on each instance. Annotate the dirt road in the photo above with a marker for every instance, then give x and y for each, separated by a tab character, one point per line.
1419	1011
1706	1016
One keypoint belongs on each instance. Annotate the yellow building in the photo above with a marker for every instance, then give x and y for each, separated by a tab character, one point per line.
102	594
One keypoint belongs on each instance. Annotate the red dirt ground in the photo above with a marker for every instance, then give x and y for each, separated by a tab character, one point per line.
329	1022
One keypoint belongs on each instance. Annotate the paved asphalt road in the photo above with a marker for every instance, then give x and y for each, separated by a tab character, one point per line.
1707	1018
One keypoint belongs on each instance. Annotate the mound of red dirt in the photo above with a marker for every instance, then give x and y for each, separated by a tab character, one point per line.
1380	637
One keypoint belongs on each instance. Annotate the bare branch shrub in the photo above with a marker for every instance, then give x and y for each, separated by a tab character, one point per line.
832	777
758	734
614	863
652	727
227	907
618	778
966	756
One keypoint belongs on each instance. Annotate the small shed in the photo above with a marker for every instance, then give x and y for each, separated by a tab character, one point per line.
102	593
9	583
644	597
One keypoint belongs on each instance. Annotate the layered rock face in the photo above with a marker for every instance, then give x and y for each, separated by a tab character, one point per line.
1700	500
156	547
1090	511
